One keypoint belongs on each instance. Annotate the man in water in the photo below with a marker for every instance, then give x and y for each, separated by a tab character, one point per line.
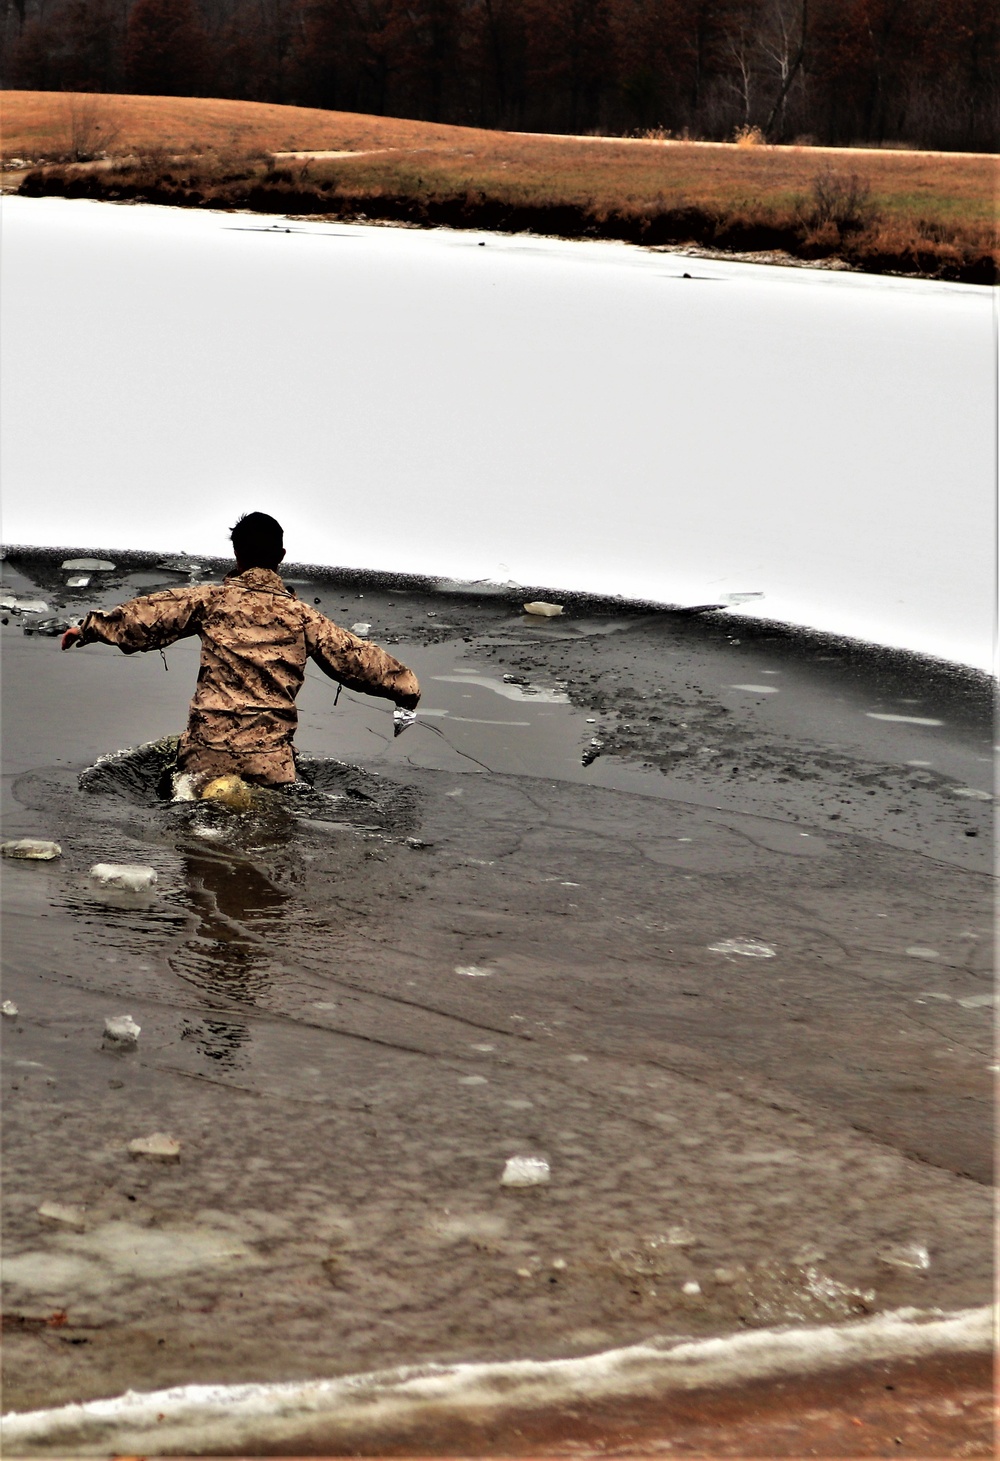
255	639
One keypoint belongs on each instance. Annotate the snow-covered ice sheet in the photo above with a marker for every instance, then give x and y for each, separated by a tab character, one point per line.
470	406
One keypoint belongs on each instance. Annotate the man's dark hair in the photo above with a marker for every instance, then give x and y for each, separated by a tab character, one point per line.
258	541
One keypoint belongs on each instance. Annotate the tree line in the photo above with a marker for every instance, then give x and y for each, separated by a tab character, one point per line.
923	73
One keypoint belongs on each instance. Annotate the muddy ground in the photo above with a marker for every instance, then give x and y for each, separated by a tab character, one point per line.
730	978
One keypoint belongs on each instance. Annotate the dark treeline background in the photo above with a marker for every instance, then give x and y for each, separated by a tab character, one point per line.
922	72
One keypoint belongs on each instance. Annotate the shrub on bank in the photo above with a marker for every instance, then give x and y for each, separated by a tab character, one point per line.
839	219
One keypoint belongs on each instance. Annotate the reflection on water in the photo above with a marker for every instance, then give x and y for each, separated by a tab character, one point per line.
245	900
236	906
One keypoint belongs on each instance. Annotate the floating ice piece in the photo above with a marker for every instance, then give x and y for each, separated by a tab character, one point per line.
750	948
401	721
977	1001
473	1080
680	1237
691	1288
208	834
78	580
133	877
121	1032
913	1257
156	1148
474	971
180	563
591	753
361	628
504	688
23	606
543	610
917	951
742	598
51	626
525	1172
757	689
88	565
903	719
972	792
8	1009
35	849
728	1276
63	1215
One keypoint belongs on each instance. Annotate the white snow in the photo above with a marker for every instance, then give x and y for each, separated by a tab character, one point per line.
569	415
214	1418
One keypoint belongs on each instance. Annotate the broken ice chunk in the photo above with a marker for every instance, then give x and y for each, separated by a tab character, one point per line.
78	580
88	565
51	625
543	610
180	563
132	877
911	1257
156	1148
63	1215
23	606
401	720
525	1172
121	1032
8	1009
35	849
750	948
361	628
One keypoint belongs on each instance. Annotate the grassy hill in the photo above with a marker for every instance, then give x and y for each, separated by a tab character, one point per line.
932	214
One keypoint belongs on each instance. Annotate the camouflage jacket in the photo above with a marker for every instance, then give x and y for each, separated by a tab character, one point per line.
255	639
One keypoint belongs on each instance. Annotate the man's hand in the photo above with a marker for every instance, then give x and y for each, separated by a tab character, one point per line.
408	702
71	637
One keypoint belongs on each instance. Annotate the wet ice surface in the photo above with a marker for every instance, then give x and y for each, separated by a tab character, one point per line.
359	1003
560	415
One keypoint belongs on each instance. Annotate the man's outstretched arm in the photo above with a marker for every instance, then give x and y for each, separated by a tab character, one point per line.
359	664
151	622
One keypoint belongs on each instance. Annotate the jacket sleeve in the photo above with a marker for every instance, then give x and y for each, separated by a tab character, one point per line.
151	622
357	663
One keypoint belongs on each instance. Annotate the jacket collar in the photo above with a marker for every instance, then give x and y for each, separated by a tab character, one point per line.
259	578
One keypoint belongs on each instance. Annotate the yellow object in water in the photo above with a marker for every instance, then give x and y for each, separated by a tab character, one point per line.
232	791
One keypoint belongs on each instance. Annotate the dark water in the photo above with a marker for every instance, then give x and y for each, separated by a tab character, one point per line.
359	1000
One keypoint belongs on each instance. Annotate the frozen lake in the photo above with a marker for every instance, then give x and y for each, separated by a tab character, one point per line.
579	416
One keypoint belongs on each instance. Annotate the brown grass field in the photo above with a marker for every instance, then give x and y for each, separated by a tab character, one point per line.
913	212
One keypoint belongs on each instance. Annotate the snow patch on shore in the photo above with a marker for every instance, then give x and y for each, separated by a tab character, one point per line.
207	1419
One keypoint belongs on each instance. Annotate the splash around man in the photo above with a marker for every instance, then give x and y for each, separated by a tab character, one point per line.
256	637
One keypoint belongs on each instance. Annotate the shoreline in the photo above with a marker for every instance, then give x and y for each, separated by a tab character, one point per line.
753	1384
692	230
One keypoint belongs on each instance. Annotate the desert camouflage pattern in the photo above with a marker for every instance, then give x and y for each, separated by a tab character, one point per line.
256	637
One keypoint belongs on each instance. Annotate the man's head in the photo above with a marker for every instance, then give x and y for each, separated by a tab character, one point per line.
258	541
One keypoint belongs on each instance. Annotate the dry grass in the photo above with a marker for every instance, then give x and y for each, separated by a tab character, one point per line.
920	207
35	125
